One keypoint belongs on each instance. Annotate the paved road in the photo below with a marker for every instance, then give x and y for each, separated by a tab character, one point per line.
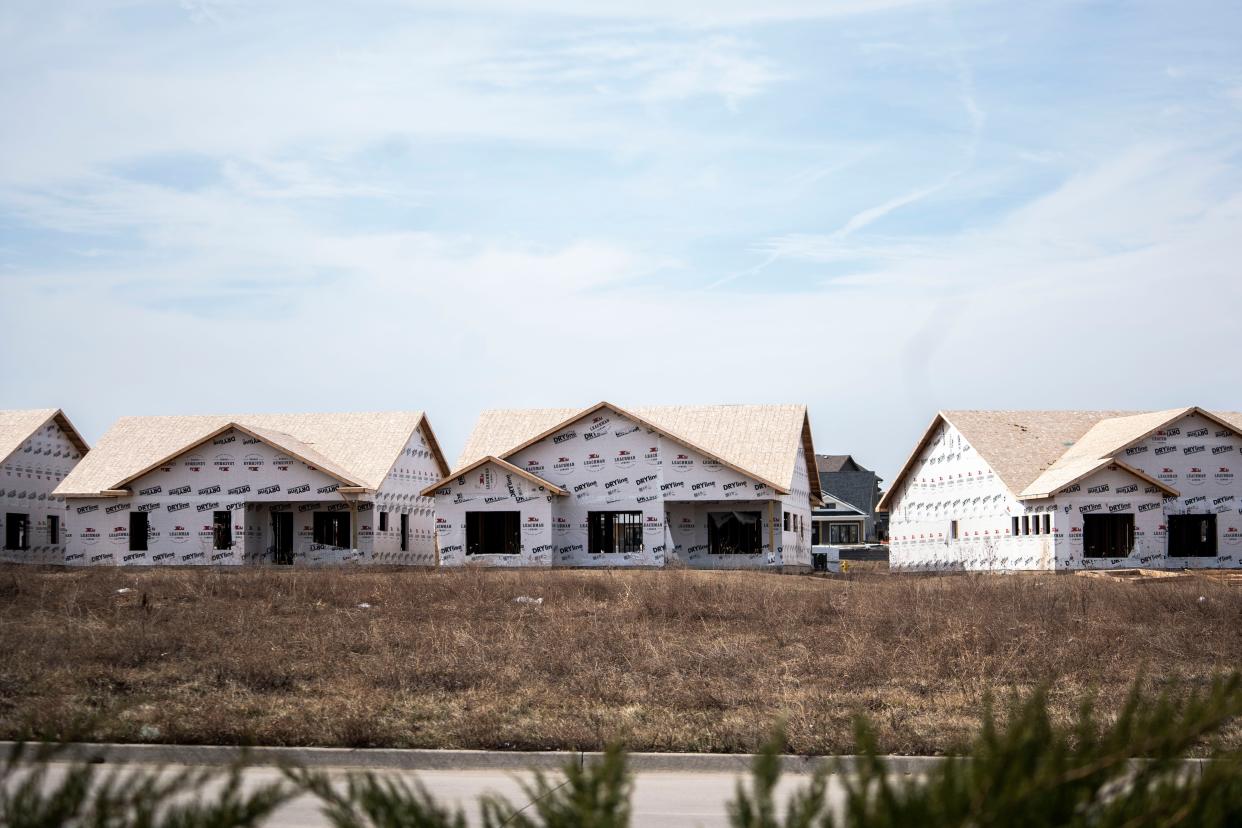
660	798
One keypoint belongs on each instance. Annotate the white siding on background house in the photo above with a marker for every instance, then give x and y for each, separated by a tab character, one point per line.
606	460
1150	466
1199	458
796	543
41	454
400	493
232	472
491	488
951	482
238	471
1110	491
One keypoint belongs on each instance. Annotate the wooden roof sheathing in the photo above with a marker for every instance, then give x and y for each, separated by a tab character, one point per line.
17	426
499	430
1037	453
1021	445
758	440
357	447
277	439
1103	442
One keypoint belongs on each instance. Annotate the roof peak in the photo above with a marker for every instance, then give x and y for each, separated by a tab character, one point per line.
17	425
1021	445
360	447
757	439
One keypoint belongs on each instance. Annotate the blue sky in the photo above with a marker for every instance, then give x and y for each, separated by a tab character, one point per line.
877	208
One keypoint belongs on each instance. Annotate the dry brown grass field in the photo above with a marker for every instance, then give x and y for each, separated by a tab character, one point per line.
666	661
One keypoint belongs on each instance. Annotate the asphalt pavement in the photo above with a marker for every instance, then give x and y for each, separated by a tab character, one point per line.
661	798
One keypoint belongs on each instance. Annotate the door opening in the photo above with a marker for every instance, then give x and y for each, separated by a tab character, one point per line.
282	538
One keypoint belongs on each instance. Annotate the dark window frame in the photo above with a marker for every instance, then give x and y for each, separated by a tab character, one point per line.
494	533
1047	524
139	531
1180	532
735	537
383	521
615	533
327	527
16	531
838	529
1108	535
405	531
53	530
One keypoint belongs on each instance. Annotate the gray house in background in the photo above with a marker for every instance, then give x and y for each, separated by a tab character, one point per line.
841	477
837	523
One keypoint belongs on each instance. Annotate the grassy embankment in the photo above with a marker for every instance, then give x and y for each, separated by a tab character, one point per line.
669	661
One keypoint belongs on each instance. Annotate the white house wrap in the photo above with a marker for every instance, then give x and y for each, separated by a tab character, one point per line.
256	488
711	486
1044	490
38	448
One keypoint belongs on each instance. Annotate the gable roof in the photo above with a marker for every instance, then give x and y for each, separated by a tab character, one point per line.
1081	468
1100	445
1036	453
839	508
18	425
276	439
358	449
759	441
832	463
503	464
860	489
499	430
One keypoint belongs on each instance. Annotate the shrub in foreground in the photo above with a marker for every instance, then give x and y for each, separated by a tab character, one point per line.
34	795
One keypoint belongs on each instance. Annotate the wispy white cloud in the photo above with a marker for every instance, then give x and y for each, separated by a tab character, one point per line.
694	13
670	67
203	11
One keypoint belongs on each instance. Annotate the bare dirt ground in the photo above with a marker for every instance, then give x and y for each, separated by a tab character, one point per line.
669	661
